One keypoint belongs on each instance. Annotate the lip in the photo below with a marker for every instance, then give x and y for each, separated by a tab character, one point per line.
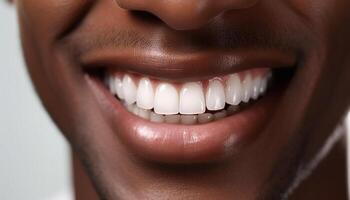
169	143
172	66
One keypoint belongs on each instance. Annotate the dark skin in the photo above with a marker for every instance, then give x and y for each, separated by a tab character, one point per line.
57	36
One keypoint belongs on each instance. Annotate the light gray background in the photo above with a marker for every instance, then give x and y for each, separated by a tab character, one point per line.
34	158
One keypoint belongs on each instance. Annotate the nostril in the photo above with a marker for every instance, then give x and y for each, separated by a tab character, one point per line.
183	14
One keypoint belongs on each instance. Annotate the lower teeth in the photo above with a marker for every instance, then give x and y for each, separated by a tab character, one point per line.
179	118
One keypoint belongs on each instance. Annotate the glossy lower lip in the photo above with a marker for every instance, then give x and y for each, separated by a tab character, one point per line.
169	143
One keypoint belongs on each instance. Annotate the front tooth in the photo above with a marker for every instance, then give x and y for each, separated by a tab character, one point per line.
192	99
215	97
188	119
145	94
233	90
118	87
129	90
247	88
166	99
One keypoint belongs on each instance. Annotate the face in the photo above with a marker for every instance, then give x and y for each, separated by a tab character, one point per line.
190	99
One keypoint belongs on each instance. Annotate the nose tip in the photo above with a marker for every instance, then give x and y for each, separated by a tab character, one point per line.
186	14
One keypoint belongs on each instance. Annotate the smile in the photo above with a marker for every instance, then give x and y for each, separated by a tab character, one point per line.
202	118
191	102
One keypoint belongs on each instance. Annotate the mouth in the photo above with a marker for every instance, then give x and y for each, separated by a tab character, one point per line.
187	103
193	119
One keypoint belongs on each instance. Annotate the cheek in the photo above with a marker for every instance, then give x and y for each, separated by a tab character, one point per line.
47	19
43	24
322	15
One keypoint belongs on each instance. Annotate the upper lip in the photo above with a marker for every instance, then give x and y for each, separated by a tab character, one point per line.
186	66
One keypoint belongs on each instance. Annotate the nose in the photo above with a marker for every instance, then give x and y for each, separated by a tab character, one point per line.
186	14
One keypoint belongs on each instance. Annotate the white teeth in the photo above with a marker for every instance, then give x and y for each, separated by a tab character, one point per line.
145	94
129	107
256	87
233	90
188	119
166	99
118	87
110	81
215	96
145	114
129	90
192	99
187	103
263	86
247	88
156	117
220	115
135	110
232	109
172	119
205	118
178	119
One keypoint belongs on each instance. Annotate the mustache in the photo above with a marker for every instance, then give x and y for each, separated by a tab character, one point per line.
223	39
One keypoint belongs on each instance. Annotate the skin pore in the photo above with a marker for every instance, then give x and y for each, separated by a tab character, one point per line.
66	41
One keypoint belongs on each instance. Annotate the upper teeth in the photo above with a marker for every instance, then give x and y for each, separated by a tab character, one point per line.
192	97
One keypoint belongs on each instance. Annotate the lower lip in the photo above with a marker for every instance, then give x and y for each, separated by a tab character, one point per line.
170	143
